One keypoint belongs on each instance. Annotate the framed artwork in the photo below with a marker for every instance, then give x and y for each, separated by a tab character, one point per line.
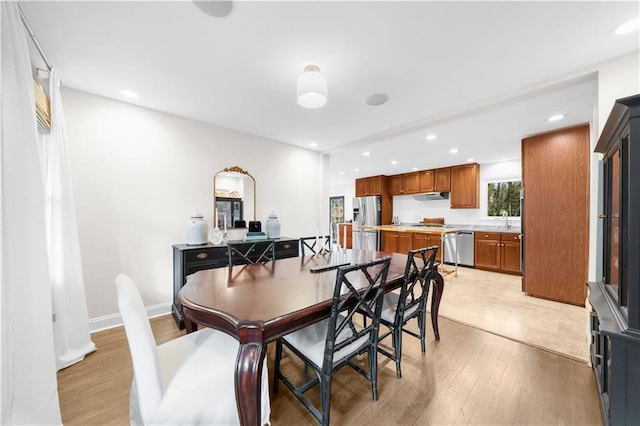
336	214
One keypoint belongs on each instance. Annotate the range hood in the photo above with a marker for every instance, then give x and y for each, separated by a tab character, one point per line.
427	196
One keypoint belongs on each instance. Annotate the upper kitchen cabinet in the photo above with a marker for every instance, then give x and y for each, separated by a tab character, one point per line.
373	185
465	186
438	180
406	183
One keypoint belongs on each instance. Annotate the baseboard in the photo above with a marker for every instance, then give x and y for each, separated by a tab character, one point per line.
114	320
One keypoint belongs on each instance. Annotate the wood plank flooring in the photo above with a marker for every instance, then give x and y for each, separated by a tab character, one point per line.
468	377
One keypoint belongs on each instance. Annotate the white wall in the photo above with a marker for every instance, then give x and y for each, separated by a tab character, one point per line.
138	175
410	210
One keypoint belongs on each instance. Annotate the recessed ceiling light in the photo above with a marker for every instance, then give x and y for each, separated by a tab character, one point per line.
313	144
630	26
129	94
431	136
356	170
415	168
341	173
556	117
376	100
394	162
453	150
470	160
366	154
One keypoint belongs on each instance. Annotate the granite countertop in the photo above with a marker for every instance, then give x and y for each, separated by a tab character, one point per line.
445	229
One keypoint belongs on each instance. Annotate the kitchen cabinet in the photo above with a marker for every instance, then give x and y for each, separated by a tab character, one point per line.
390	241
427	181
556	181
373	185
397	242
615	297
438	180
465	186
443	179
341	233
407	183
405	242
497	251
423	239
411	183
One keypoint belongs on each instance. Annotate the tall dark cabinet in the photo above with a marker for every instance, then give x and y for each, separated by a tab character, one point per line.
615	298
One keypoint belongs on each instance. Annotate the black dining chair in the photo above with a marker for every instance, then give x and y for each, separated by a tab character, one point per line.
243	253
308	245
399	308
332	343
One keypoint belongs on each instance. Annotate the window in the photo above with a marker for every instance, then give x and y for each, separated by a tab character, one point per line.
504	196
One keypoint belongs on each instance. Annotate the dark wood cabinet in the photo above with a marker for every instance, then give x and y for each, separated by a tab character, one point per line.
411	183
423	239
496	251
373	185
349	234
190	259
615	298
427	181
442	179
396	184
510	253
465	186
390	241
555	214
405	242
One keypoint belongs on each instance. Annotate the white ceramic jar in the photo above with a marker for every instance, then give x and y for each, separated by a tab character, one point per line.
273	226
197	230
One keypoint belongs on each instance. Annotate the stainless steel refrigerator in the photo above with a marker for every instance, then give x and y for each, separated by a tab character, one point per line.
367	211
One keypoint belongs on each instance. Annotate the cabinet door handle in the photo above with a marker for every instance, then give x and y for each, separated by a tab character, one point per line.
202	255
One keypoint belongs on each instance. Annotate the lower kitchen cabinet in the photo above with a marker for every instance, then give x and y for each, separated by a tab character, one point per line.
397	242
496	251
405	242
422	240
349	234
189	259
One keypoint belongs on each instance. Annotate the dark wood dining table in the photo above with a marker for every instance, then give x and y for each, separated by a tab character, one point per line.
259	303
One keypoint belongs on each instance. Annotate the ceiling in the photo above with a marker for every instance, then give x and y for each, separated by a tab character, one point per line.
480	75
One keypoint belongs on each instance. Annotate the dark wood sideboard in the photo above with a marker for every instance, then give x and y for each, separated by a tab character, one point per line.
188	259
615	298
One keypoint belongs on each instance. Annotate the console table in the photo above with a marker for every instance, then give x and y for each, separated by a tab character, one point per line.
188	259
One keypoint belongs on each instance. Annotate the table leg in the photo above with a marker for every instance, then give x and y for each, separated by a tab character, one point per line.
248	382
438	289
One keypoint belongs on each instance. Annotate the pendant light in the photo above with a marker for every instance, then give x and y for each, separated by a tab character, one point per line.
312	88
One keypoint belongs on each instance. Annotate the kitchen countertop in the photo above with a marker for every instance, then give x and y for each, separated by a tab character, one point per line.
446	229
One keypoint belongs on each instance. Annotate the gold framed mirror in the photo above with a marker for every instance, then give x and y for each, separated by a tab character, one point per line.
229	184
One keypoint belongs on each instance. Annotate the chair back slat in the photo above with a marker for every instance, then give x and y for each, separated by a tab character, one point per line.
313	245
417	279
359	289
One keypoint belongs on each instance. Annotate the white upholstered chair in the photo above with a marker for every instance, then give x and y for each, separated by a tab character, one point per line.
187	381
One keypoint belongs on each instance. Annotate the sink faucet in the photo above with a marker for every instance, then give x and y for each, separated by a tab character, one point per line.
505	215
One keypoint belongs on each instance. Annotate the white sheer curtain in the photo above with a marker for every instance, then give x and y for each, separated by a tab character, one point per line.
28	371
71	333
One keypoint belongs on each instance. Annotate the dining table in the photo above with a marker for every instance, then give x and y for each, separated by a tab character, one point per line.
259	303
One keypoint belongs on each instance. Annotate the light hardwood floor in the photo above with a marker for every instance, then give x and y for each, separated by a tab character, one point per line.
494	302
468	377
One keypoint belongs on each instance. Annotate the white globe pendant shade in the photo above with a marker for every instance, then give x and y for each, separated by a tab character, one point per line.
312	88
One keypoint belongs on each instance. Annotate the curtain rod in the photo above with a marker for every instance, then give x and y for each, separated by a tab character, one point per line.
34	38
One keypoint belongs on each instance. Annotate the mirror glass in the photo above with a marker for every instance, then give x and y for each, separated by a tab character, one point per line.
234	198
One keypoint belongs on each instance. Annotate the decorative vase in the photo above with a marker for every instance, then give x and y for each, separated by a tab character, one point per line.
273	226
197	230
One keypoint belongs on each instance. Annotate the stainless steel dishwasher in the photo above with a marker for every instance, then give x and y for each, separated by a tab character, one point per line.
464	243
